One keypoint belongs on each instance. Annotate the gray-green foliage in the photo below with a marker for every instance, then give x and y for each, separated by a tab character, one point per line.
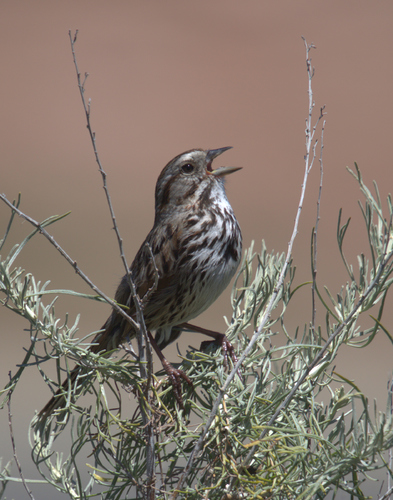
326	440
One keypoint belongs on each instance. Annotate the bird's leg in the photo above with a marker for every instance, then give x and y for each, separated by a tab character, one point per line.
219	338
174	375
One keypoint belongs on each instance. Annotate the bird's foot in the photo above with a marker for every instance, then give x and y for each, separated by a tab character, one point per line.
175	376
226	347
219	339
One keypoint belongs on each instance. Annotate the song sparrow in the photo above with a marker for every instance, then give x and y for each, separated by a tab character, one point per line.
195	245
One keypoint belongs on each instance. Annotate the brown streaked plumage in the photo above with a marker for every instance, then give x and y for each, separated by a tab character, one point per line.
196	243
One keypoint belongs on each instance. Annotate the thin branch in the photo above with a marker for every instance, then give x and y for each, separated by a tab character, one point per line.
13	443
72	262
315	235
266	316
386	496
2	241
390	452
87	110
144	348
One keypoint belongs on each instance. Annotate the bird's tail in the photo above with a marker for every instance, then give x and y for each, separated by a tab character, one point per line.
59	400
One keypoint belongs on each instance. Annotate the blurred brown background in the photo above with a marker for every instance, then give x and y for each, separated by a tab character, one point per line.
165	77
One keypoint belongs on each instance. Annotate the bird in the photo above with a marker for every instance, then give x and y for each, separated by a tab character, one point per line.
186	261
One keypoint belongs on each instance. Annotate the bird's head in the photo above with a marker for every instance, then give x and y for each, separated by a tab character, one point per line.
189	176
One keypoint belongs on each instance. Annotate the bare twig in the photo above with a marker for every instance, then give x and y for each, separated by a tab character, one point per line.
72	262
144	349
390	452
315	235
386	496
2	241
87	110
310	133
13	444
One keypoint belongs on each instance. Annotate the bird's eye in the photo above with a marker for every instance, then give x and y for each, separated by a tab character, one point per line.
187	168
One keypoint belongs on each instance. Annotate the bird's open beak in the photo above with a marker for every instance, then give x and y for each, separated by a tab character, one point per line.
220	171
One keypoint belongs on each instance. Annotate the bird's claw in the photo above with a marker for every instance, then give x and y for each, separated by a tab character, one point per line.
175	377
227	349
